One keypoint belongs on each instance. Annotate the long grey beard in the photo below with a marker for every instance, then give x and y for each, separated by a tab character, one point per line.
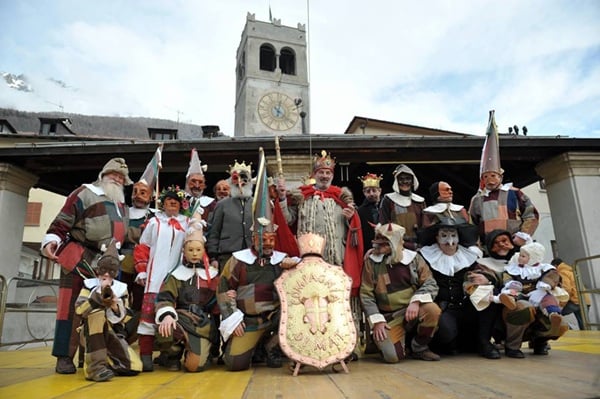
245	192
113	190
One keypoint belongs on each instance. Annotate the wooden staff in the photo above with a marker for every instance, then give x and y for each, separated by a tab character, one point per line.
278	157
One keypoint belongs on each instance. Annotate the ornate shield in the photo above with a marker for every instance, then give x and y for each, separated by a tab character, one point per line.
316	326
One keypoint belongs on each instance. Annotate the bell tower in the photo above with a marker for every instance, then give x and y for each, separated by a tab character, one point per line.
272	89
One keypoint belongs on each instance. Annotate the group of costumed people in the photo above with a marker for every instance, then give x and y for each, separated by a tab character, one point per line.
200	273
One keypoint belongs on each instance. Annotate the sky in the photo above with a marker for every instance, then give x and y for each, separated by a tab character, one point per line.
432	63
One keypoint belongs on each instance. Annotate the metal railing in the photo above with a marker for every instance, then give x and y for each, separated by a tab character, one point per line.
26	308
582	290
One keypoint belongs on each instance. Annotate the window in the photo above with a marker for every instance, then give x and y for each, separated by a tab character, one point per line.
34	211
267	58
48	129
287	61
162	134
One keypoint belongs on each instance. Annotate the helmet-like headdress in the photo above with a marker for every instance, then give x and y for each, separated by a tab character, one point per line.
394	234
111	259
323	162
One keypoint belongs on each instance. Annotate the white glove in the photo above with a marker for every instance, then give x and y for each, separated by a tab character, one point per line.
543	286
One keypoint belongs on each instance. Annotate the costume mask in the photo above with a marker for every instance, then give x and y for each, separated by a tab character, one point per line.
141	195
445	192
193	251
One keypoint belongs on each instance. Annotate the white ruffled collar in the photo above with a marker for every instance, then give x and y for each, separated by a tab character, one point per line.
445	264
407	256
528	272
119	288
185	273
248	257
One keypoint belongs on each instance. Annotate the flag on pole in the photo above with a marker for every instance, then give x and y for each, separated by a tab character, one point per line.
150	175
490	154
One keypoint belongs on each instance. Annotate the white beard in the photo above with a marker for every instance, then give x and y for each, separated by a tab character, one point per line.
245	192
113	190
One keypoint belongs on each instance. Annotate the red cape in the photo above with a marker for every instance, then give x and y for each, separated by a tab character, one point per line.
286	241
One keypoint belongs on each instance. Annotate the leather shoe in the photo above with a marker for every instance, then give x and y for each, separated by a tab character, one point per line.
540	349
64	365
103	375
426	355
514	353
490	352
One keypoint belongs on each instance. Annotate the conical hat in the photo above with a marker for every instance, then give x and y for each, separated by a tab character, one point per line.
490	154
195	167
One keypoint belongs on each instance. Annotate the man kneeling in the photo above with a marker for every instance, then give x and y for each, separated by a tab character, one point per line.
397	293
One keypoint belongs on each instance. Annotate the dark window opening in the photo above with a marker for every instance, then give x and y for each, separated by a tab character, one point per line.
48	129
287	61
162	134
267	58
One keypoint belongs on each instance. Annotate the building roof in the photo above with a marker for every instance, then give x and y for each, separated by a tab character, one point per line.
64	166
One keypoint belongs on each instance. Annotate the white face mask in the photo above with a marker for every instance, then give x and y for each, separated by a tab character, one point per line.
447	237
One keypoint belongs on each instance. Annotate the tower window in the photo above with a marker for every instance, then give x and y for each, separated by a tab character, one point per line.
287	61
267	58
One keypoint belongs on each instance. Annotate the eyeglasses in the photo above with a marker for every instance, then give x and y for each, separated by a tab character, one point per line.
111	272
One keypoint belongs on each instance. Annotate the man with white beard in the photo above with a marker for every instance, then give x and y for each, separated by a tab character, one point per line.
232	218
91	217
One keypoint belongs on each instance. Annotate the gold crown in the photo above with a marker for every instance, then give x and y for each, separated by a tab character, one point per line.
324	162
310	243
370	180
240	167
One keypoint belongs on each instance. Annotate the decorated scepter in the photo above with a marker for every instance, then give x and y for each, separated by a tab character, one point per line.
278	157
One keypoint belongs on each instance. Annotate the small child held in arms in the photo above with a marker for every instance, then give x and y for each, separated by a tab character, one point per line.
539	283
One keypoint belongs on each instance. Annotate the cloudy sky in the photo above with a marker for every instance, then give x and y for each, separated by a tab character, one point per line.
434	63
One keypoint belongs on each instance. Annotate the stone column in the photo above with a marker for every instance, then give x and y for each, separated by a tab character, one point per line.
296	168
573	187
14	192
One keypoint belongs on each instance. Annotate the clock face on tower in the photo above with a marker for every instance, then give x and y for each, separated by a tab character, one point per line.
277	111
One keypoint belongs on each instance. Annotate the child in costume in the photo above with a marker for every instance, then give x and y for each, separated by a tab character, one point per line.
185	304
159	252
102	305
527	265
540	282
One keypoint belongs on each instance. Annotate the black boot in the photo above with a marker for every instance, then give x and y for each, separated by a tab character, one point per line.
540	347
489	351
274	358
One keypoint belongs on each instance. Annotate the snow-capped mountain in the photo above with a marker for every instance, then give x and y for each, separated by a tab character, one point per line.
17	82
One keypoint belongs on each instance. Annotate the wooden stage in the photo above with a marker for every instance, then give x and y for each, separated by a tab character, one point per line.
571	371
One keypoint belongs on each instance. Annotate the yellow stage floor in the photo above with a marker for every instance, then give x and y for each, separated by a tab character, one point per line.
571	371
